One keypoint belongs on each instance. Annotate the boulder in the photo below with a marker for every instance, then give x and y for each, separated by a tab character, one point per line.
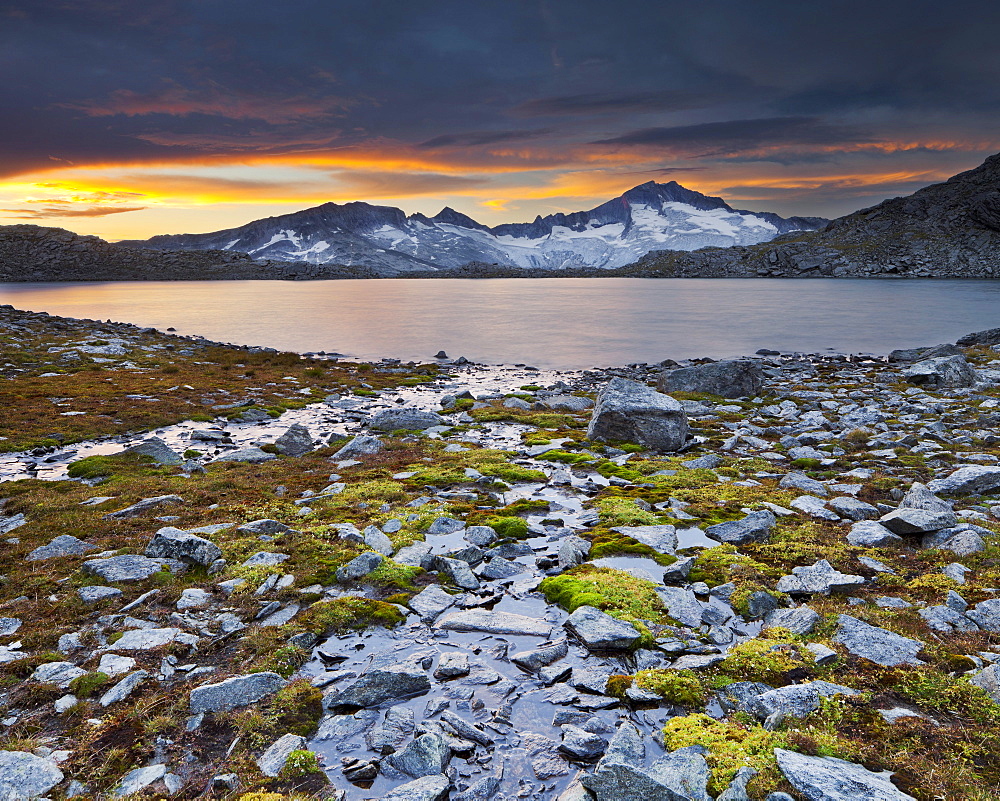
818	579
63	545
800	620
296	441
156	449
755	527
681	775
378	685
986	615
989	680
662	539
144	506
248	455
235	692
430	602
919	496
407	419
601	632
739	378
426	755
941	372
172	543
24	775
359	567
125	568
969	480
830	779
428	788
871	534
361	445
905	521
135	781
876	644
273	760
632	412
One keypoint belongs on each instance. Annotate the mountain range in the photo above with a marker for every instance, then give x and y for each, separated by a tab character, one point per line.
648	217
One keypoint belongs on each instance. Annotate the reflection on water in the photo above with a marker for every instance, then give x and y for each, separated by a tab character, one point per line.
559	323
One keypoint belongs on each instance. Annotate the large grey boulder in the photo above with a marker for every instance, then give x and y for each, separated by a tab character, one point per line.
408	419
430	602
129	567
944	371
458	571
794	700
740	378
800	620
426	755
681	775
989	681
871	534
235	692
296	441
905	521
156	449
662	538
601	632
818	579
63	545
378	685
755	527
428	788
361	445
492	622
359	567
251	454
172	543
24	775
919	496
830	779
986	615
273	760
876	644
972	479
632	412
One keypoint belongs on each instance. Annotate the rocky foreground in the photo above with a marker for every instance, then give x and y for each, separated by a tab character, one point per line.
770	578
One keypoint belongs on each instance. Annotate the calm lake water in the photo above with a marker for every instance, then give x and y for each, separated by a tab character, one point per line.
560	323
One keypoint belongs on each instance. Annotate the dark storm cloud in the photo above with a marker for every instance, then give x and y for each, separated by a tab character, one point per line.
476	138
611	103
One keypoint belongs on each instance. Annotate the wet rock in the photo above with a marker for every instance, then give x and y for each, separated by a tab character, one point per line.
451	665
427	788
968	480
273	760
818	579
662	539
408	419
172	543
944	371
430	602
830	779
458	571
359	567
63	545
464	729
917	521
492	622
124	568
682	605
800	620
601	632
144	506
632	412
296	441
445	525
678	776
580	744
500	568
235	692
871	534
480	535
573	551
427	755
755	527
395	730
361	445
379	685
157	450
248	455
534	660
876	644
739	378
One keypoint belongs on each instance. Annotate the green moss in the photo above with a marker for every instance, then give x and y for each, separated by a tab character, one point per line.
514	528
719	565
300	763
620	511
283	660
567	457
611	543
348	614
766	659
681	687
394	575
89	683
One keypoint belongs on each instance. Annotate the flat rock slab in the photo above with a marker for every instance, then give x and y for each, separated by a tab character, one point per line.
971	479
379	685
249	455
125	568
818	579
273	760
660	538
829	779
494	623
157	450
600	632
24	775
63	545
148	639
144	506
875	644
235	692
427	788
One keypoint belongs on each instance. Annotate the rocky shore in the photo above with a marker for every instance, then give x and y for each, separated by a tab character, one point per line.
236	573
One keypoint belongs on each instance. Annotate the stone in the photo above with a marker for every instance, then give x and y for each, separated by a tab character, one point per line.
92	595
755	527
986	615
682	605
9	626
149	639
681	775
445	525
57	673
601	632
430	602
917	521
818	579
989	680
738	378
800	620
235	692
580	744
537	658
250	454
964	543
123	568
144	506
266	559
919	496
632	412
378	541
378	685
296	441
124	688
451	665
814	507
265	526
567	403
500	568
662	539
943	371
404	419
63	545
968	480
946	619
360	566
157	450
737	789
852	508
426	788
273	760
573	551
492	622
136	780
871	534
876	644
194	598
830	779
361	445
480	535
800	481
794	700
458	571
113	665
426	755
172	543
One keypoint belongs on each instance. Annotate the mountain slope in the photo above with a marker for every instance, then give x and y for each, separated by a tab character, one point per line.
648	217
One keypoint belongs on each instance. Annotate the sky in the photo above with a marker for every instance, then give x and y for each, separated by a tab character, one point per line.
129	118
